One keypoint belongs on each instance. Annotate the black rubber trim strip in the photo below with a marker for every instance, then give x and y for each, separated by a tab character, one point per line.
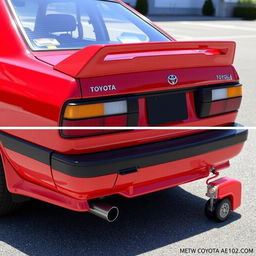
111	162
133	112
28	149
114	161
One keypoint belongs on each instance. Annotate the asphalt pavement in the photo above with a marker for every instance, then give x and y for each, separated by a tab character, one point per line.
166	222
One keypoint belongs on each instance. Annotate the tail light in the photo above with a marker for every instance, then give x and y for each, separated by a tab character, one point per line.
212	101
122	112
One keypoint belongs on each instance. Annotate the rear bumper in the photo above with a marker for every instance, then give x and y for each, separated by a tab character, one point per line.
71	180
130	159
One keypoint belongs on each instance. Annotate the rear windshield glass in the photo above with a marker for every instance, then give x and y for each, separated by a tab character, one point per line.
74	24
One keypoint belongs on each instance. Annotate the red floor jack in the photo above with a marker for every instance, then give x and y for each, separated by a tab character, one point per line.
225	197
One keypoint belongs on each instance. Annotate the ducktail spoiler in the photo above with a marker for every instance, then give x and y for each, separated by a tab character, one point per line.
101	60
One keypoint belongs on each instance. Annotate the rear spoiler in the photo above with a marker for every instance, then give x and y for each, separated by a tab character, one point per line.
101	60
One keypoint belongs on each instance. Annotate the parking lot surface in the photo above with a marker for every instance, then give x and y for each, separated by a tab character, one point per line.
166	222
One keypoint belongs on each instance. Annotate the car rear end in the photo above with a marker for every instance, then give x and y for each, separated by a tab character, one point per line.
154	85
130	85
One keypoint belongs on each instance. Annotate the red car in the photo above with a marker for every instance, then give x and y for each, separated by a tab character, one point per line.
98	63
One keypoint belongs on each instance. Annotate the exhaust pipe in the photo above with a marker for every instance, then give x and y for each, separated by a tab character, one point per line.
104	211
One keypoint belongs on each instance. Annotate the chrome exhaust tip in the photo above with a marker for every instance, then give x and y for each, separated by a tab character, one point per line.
104	211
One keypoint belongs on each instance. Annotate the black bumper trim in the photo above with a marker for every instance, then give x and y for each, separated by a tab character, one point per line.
111	162
28	149
115	161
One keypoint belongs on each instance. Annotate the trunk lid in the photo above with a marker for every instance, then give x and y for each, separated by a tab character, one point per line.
165	77
110	70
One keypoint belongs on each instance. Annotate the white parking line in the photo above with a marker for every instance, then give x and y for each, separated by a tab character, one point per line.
206	24
233	37
182	37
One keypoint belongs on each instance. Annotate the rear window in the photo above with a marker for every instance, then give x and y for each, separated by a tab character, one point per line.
75	24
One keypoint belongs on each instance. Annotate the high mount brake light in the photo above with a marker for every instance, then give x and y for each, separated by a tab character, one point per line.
215	100
97	114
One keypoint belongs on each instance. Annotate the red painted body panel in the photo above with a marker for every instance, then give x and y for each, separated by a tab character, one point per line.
33	92
18	185
51	138
156	81
231	188
30	169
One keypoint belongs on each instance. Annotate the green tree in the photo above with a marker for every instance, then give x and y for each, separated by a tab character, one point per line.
142	6
208	8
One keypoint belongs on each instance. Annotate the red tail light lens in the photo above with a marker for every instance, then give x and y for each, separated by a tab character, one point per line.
119	113
217	100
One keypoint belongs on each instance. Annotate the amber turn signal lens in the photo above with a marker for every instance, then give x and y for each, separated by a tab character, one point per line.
235	92
84	111
75	111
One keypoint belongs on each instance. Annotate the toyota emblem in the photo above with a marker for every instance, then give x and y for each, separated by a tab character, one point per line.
173	79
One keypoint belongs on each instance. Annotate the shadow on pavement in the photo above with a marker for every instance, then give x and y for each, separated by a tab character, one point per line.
145	223
189	18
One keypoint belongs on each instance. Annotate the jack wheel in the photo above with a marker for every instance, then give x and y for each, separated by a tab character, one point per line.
207	210
221	209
